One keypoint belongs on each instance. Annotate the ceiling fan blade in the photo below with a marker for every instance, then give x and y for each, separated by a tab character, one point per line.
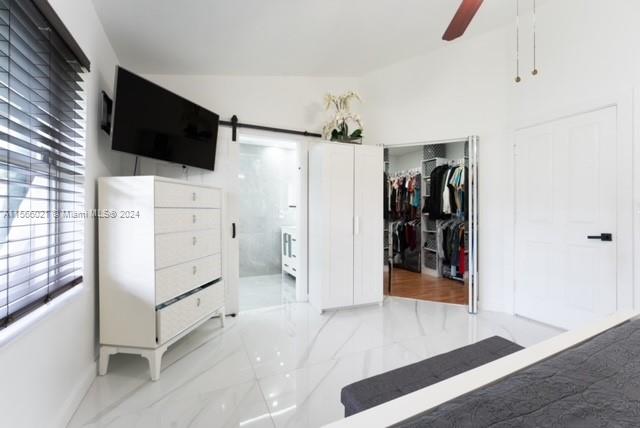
462	19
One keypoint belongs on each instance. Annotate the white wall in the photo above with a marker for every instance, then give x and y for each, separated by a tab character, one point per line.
588	56
47	360
454	92
405	161
284	102
455	150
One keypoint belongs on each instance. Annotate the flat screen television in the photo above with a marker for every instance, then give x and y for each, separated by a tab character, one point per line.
153	122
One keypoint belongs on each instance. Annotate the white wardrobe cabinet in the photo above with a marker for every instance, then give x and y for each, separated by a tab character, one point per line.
345	220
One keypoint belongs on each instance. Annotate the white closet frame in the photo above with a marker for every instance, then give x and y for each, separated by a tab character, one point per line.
474	278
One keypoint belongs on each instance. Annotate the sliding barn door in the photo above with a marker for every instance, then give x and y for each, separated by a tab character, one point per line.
566	227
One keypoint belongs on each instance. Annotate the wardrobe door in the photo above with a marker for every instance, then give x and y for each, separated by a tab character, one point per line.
331	225
368	222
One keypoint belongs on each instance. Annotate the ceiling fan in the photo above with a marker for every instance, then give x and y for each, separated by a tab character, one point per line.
462	19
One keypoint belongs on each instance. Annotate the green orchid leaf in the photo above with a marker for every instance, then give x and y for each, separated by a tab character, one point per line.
357	133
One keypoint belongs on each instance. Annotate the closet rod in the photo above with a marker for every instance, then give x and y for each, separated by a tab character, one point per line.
234	124
428	143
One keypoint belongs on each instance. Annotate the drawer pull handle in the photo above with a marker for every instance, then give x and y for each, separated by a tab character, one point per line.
194	219
194	240
195	269
198	302
193	196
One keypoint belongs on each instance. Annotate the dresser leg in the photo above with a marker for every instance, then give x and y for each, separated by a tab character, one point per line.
155	362
103	360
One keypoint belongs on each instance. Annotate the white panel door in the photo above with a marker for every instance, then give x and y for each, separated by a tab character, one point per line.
368	222
565	192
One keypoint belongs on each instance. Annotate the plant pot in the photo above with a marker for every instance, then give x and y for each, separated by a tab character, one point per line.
348	140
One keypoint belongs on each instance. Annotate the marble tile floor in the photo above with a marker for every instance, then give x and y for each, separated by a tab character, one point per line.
266	290
284	366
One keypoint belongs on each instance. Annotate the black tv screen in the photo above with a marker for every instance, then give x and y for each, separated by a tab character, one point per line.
151	121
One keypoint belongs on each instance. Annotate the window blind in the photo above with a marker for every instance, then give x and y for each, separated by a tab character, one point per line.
41	161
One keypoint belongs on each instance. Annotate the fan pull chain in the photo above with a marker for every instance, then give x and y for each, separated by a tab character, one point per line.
518	79
534	72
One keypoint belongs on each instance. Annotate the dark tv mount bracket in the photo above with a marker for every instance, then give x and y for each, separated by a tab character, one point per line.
106	108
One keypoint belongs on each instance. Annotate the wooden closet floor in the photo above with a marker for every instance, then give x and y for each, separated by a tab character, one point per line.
425	287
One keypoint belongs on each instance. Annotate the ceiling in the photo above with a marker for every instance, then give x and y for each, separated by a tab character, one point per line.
281	37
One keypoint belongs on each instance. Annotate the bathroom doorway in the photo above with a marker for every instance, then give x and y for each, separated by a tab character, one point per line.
269	188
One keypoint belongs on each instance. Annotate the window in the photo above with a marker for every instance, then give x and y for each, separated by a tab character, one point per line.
41	158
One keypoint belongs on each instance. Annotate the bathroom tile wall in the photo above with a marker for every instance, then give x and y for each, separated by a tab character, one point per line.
265	174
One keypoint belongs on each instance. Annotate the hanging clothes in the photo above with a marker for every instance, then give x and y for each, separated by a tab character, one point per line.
446	197
405	195
433	204
417	193
448	194
451	236
386	196
406	244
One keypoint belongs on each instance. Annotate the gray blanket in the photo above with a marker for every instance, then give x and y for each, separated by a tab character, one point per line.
370	392
595	384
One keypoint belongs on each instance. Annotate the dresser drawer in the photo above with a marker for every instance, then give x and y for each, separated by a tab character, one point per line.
176	248
179	316
186	219
179	279
174	195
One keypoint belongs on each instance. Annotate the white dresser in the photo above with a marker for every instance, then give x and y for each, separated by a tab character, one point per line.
160	264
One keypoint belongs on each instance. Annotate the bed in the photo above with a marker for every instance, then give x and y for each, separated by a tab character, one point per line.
584	378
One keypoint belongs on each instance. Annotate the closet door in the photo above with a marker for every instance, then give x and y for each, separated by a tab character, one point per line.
331	225
566	194
368	222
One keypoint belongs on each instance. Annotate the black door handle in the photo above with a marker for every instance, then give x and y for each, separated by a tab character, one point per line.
233	230
607	237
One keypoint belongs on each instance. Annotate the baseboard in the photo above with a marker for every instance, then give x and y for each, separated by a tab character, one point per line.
494	306
75	396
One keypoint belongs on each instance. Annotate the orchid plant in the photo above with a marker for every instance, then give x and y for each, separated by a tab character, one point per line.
337	129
